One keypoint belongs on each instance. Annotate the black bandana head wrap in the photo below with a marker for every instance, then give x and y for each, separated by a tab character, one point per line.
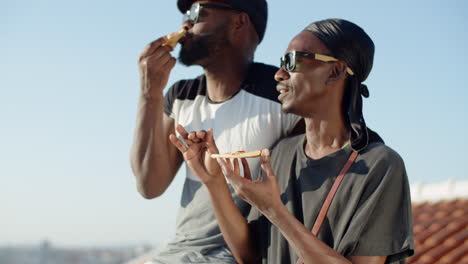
348	42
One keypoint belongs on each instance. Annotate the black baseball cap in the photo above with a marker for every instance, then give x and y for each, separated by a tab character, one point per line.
256	9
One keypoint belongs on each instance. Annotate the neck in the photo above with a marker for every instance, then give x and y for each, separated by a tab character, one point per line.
325	133
224	77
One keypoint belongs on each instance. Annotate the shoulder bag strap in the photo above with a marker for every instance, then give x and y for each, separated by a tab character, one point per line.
331	194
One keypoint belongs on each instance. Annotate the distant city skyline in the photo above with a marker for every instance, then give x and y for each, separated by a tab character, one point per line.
47	253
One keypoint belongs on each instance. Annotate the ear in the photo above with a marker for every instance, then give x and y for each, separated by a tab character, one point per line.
337	72
241	22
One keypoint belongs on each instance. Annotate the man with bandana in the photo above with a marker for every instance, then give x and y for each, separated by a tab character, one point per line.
235	96
336	194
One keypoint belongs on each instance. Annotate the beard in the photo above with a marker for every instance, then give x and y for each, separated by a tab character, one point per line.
203	47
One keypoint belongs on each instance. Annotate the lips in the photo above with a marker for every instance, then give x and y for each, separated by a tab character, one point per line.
282	88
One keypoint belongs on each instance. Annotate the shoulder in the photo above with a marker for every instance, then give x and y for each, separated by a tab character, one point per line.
289	141
379	153
187	89
382	165
287	146
183	91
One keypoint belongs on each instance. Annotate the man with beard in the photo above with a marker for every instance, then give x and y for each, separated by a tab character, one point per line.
235	96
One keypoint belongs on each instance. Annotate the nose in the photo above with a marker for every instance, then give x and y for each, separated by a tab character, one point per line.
281	75
187	25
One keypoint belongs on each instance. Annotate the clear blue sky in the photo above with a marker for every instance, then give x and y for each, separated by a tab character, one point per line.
69	86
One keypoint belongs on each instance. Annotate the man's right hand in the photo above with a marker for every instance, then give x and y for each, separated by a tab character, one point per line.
155	64
155	161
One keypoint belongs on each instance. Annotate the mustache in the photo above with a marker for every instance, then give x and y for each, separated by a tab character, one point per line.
188	35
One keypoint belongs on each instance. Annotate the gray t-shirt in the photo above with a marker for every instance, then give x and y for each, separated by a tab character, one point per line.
369	216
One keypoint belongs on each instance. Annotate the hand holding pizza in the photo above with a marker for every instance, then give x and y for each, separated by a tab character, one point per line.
199	146
155	64
262	193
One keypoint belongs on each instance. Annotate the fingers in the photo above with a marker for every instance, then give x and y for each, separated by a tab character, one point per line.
160	61
265	163
197	137
265	155
183	133
156	58
151	48
193	136
232	170
245	165
201	134
171	63
176	142
165	60
210	142
156	53
224	167
236	167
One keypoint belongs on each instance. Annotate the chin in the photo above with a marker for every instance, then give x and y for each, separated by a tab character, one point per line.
287	109
189	56
293	109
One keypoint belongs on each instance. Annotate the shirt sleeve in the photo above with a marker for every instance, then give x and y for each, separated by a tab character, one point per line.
383	216
169	99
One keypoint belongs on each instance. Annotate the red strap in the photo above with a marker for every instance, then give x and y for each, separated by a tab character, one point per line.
331	194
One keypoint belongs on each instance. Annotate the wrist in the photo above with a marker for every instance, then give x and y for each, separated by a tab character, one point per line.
274	210
216	183
151	98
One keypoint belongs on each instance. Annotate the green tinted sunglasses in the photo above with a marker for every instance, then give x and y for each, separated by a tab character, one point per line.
291	63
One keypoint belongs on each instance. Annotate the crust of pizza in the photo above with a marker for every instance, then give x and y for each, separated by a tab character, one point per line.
173	38
237	155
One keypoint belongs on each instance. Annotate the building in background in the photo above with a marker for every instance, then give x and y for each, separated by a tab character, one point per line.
440	216
46	253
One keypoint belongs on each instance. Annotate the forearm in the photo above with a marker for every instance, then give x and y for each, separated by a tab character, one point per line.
151	154
233	225
307	246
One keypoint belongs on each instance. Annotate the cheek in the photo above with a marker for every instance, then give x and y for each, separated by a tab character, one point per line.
200	28
310	87
197	28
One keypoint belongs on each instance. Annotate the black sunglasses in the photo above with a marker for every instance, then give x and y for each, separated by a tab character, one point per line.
291	63
193	14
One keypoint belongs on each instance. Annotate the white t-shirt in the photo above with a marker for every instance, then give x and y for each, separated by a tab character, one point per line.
250	120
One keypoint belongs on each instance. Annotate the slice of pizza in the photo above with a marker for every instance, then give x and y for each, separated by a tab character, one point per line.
173	38
237	155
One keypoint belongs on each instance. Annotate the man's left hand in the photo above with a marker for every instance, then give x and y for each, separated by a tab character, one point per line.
262	193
